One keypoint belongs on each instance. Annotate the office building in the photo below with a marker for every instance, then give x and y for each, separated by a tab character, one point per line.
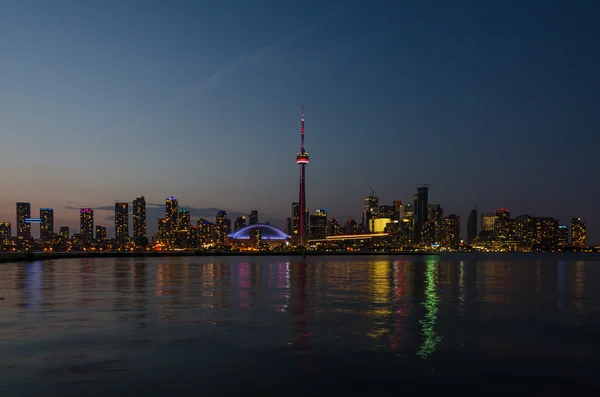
472	227
421	212
563	235
64	232
318	224
240	222
172	219
451	231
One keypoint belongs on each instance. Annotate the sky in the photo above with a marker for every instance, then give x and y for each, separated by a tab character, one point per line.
495	104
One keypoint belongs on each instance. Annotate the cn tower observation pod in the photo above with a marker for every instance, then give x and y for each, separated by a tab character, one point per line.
267	232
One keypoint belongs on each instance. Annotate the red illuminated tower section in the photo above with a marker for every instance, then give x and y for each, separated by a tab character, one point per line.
302	159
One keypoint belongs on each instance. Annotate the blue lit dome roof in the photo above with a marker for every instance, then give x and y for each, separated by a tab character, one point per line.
267	232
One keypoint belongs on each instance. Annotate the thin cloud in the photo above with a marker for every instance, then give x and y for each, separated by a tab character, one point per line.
249	58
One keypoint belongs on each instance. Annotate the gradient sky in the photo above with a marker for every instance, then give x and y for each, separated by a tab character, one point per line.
495	104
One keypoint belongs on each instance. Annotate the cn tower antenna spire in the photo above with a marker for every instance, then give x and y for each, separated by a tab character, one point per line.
302	131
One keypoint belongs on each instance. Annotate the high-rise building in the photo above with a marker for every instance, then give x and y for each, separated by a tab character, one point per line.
545	233
290	227
163	232
451	231
563	235
121	222
221	228
350	227
47	225
302	160
503	224
5	233
253	219
240	222
488	222
296	222
318	224
421	212
23	212
64	232
206	232
139	221
101	234
387	211
172	219
86	224
370	210
334	228
578	233
472	226
185	221
399	210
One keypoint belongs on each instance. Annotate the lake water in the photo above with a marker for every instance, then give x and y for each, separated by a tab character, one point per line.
335	325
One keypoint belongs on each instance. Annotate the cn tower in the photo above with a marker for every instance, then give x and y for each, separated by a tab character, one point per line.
302	159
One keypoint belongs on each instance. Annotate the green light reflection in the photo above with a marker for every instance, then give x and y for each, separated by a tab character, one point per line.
430	337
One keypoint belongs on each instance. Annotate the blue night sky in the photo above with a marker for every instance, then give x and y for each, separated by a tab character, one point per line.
495	104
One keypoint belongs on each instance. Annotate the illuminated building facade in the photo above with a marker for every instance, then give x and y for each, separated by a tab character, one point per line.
47	225
221	228
545	233
139	221
172	219
23	212
162	235
334	228
302	160
296	221
5	233
399	210
206	232
371	209
64	232
86	224
318	224
253	219
240	222
121	222
563	235
451	231
503	225
578	233
350	227
101	234
378	225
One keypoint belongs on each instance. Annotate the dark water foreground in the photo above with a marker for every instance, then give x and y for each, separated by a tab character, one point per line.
323	326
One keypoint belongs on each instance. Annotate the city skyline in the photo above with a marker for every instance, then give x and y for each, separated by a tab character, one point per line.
474	100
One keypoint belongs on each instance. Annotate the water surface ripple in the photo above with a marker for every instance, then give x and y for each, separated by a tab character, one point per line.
229	326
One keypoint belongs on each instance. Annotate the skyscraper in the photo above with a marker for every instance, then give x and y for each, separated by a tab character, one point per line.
472	226
295	222
421	211
451	231
318	224
221	228
23	212
5	233
370	210
139	221
240	222
64	232
253	220
172	219
121	222
86	224
47	225
578	233
101	233
302	160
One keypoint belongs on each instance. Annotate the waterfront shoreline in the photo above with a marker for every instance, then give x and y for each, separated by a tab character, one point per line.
41	256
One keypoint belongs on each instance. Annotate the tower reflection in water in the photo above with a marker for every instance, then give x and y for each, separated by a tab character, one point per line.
431	302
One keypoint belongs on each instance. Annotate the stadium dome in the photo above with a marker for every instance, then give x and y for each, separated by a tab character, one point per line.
267	232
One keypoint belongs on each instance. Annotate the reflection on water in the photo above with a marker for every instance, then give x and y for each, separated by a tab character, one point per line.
98	318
